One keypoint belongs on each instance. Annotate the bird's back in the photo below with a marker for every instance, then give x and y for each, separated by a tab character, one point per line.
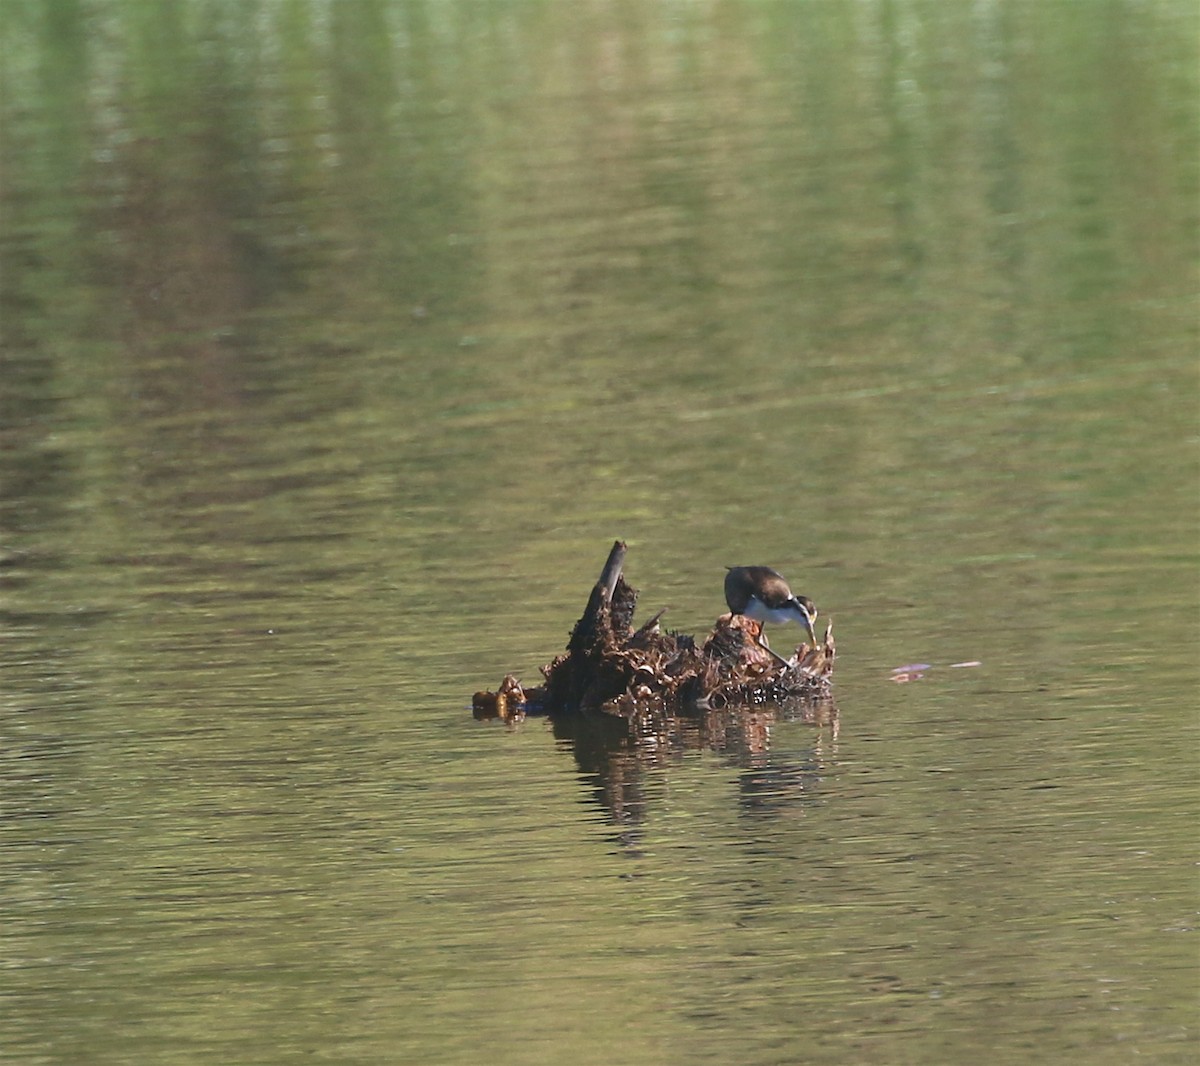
766	585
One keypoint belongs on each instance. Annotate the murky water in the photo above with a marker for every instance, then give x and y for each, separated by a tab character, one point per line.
339	342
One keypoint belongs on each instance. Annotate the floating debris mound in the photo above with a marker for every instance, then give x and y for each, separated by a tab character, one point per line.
611	667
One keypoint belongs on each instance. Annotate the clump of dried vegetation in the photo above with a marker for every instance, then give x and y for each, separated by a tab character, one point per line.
611	667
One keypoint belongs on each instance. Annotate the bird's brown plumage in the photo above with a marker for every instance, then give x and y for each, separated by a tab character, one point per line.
742	582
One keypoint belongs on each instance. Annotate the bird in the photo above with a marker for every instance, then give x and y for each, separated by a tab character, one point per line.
763	594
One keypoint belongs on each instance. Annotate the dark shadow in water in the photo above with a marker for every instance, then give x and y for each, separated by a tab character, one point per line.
625	761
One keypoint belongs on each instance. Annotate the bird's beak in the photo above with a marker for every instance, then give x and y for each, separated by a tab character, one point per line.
808	624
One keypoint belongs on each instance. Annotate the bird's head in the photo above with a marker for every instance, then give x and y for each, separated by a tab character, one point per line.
807	611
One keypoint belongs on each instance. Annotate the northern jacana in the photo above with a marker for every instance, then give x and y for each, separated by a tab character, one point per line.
764	595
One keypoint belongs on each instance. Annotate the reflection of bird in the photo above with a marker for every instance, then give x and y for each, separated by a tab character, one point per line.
762	594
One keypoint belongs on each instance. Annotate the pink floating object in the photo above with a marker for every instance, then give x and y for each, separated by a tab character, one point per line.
913	672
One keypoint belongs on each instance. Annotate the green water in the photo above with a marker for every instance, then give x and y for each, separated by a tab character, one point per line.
339	340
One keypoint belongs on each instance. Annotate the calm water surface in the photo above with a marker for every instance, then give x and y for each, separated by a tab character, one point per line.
337	343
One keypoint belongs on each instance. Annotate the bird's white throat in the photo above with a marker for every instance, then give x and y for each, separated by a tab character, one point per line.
760	612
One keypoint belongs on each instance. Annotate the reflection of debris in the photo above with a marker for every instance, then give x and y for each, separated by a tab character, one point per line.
609	667
624	759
